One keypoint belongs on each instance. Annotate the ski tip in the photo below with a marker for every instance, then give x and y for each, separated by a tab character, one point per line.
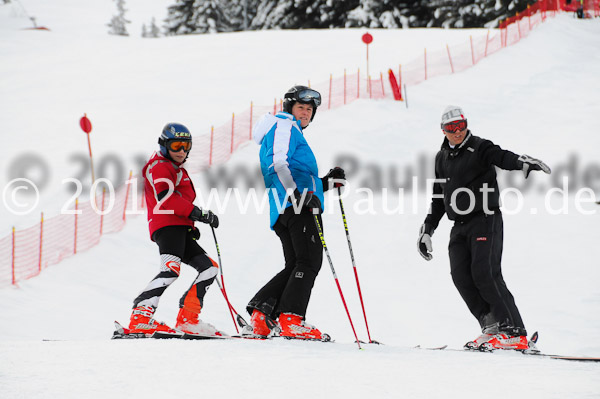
119	328
534	337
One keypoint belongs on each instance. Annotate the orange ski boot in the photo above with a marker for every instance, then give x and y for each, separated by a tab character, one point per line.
293	326
141	322
504	341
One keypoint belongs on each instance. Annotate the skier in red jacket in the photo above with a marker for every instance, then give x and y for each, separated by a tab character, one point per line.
170	194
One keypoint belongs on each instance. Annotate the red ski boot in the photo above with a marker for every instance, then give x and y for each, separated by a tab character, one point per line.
142	323
504	341
292	326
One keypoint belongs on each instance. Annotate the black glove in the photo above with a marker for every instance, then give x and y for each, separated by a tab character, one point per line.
336	174
528	164
424	242
200	215
195	232
310	200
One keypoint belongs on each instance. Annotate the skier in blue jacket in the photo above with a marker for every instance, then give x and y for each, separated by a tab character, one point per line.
295	191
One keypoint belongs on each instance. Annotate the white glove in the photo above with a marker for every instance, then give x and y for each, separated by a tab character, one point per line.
528	164
424	243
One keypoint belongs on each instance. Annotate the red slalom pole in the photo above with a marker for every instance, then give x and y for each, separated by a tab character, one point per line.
354	264
222	287
335	277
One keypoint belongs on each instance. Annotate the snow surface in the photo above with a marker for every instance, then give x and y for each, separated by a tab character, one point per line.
538	97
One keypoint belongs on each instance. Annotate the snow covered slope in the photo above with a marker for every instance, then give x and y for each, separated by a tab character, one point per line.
538	97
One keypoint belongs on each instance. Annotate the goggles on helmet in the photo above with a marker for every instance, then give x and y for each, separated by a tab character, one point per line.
454	127
178	145
306	96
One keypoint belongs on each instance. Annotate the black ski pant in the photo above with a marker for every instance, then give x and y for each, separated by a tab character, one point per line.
289	291
475	250
177	245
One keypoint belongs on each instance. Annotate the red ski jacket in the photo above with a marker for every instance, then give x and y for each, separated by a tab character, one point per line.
174	209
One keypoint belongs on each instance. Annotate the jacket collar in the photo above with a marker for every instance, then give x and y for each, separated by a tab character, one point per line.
285	115
456	150
160	157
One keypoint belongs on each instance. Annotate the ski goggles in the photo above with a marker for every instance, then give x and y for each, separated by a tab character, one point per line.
454	127
178	145
307	96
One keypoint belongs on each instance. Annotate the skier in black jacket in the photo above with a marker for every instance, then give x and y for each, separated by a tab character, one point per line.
467	191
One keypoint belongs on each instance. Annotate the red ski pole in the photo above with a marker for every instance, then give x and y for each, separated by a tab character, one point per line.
354	264
335	277
221	285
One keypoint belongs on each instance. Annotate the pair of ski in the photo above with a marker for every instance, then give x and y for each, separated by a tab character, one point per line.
123	333
530	352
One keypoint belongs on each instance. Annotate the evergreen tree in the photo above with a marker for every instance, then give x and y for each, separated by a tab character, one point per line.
179	19
154	29
235	10
201	16
210	18
118	22
196	16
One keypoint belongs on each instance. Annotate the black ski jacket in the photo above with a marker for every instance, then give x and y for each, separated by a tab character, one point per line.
468	166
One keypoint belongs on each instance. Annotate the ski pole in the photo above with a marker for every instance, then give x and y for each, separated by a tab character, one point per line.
240	320
354	263
335	276
221	285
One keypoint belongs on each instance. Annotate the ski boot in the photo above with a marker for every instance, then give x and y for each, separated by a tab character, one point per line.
258	327
141	322
294	327
189	323
505	341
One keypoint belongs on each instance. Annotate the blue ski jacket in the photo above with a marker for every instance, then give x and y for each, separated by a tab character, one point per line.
286	160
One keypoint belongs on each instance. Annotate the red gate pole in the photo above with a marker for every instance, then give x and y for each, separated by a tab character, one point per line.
400	80
370	87
127	195
487	39
102	211
41	241
450	58
358	84
472	51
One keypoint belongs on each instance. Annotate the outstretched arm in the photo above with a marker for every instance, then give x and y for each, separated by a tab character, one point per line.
492	154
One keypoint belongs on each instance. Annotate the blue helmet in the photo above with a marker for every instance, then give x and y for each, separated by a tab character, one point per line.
173	132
